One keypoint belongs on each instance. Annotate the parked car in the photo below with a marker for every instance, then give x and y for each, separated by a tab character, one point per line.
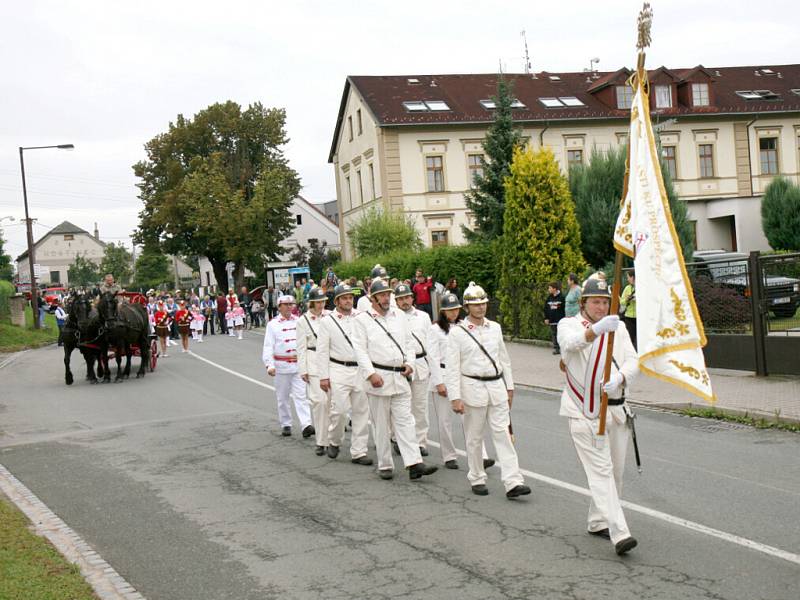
730	269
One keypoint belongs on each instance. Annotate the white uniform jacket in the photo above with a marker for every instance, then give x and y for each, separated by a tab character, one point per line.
575	354
280	345
373	347
464	358
437	350
332	344
419	324
307	334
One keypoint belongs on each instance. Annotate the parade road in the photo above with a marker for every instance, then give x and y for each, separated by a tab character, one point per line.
184	485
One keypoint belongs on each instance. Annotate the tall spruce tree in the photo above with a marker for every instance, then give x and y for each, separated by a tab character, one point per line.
780	214
541	239
486	199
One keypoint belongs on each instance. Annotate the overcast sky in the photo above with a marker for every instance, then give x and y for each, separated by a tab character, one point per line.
108	76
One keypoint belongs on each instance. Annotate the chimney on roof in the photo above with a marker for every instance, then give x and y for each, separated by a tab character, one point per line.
96	232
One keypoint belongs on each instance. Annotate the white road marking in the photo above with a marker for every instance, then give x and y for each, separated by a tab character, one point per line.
650	512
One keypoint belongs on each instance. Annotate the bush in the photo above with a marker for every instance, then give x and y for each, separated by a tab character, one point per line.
6	290
721	308
474	262
780	214
380	232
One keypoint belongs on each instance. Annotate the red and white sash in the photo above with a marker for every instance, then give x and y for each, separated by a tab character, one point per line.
586	394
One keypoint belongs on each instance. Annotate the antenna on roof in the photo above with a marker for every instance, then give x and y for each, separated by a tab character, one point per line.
526	56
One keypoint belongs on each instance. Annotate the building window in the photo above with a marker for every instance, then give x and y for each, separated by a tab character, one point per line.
574	158
624	96
700	94
768	151
349	192
435	170
360	187
439	237
68	237
663	96
350	127
55	276
706	155
475	164
298	219
372	181
359	123
668	154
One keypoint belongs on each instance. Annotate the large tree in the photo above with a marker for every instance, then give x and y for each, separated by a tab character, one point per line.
597	190
486	200
117	261
6	270
780	214
541	239
83	272
219	185
152	269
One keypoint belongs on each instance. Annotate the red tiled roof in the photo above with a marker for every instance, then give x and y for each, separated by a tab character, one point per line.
385	94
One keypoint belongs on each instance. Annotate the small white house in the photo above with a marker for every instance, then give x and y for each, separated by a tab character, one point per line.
56	251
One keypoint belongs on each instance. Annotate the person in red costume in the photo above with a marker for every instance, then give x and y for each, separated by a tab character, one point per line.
183	318
162	322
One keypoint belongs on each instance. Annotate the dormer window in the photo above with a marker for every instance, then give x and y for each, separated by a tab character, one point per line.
624	96
663	96
700	94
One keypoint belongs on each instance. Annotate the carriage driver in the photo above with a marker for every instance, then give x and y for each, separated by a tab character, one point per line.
109	286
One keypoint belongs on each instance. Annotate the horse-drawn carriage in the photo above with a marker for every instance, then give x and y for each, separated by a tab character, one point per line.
111	330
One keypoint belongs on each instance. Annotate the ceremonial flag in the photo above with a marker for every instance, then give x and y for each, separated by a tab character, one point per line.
669	330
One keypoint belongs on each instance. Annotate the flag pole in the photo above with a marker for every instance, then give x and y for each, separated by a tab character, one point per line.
645	19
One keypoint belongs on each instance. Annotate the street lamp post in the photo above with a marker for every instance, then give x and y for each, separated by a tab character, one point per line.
29	227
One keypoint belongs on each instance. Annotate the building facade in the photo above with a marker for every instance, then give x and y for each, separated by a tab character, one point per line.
413	144
57	250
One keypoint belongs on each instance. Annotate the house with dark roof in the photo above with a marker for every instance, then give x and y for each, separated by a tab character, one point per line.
56	251
413	143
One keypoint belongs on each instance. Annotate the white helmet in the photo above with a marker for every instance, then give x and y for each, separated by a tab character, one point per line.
475	294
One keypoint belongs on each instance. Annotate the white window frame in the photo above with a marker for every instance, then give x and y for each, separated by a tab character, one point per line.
700	94
624	97
663	95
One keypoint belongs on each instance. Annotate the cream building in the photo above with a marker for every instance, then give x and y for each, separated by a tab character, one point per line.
413	143
56	251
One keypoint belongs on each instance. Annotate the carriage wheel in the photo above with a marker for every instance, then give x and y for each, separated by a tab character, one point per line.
153	355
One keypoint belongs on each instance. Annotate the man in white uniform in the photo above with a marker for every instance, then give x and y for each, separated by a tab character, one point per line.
308	367
385	355
419	324
339	374
364	304
280	358
583	342
481	386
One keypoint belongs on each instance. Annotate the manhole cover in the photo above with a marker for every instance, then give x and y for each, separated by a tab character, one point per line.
716	426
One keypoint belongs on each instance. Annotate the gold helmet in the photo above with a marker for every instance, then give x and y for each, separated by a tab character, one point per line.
475	294
596	286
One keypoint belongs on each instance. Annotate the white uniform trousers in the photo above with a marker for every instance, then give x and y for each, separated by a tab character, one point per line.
349	399
444	419
393	414
497	417
287	384
419	410
604	467
320	409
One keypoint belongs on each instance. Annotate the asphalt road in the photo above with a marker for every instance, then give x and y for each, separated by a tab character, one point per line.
182	482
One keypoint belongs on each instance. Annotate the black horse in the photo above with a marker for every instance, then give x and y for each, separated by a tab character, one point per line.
125	324
81	328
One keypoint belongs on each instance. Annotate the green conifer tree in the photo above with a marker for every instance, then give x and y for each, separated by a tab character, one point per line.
780	214
541	239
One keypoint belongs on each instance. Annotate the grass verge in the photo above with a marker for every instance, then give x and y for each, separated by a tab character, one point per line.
14	339
30	568
757	422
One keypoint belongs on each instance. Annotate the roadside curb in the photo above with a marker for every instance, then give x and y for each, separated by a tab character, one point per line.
105	581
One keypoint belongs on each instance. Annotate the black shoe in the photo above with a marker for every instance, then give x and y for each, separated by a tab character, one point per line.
603	533
320	450
423	451
333	451
626	545
555	352
308	431
519	490
451	464
396	448
385	473
286	431
480	490
418	470
362	460
488	462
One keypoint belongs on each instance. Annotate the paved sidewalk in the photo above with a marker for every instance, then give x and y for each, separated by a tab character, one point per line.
737	391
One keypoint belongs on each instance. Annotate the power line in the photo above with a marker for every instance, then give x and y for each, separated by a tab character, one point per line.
68	178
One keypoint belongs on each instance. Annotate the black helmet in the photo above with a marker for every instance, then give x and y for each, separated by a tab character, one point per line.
316	294
595	286
449	301
378	285
379	271
402	290
342	289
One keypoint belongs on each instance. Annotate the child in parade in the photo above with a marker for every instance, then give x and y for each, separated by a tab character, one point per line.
238	319
229	320
183	318
197	324
163	323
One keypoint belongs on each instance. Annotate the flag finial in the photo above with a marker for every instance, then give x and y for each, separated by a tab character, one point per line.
643	23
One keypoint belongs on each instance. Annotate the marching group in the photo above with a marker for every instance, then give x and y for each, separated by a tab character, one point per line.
377	365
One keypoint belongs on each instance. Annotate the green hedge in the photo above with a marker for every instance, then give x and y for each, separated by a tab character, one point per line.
6	290
474	262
